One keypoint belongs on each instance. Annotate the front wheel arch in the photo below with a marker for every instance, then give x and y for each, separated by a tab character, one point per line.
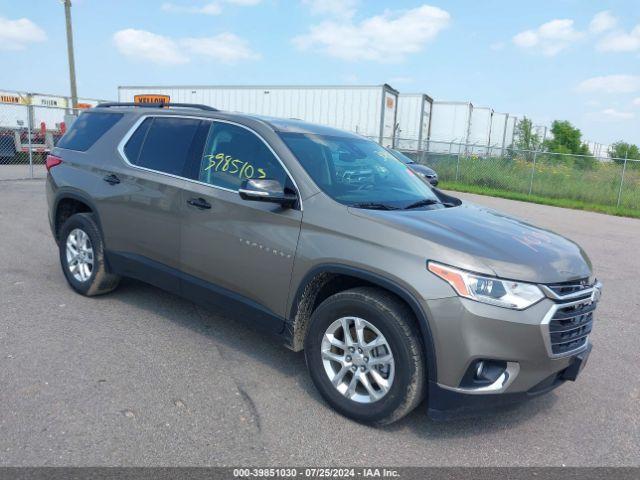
306	299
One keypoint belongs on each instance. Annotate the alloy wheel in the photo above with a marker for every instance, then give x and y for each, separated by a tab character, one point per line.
79	254
357	359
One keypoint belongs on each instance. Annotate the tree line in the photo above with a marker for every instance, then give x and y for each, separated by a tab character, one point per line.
567	139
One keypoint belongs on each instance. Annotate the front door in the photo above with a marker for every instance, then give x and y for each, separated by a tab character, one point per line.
238	253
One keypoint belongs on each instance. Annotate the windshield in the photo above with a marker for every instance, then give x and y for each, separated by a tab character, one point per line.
359	172
400	156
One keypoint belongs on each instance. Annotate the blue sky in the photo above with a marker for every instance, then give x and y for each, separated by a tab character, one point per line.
577	60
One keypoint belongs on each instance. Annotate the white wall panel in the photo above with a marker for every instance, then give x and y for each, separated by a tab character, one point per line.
356	109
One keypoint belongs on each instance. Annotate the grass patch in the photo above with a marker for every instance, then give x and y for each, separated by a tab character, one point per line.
568	181
556	202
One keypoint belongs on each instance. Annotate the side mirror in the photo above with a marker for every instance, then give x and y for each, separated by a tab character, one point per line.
265	190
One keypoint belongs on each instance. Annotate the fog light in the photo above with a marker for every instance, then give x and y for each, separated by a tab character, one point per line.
482	373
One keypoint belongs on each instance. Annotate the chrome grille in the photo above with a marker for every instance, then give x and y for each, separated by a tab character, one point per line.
570	326
569	322
572	289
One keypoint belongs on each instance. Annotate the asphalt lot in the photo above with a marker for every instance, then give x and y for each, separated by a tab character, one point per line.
141	377
21	171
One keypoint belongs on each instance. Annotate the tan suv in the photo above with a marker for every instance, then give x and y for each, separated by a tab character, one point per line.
396	291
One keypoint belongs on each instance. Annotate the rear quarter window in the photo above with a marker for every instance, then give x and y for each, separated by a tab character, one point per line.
134	145
88	129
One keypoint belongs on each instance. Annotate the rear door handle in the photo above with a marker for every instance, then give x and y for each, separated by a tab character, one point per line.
112	179
200	203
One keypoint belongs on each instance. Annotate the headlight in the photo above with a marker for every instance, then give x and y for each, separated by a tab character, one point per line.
501	293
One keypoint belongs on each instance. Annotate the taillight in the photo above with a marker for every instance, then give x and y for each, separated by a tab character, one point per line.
52	161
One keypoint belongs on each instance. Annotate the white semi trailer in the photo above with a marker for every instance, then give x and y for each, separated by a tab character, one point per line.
450	123
497	138
414	121
368	110
480	130
46	109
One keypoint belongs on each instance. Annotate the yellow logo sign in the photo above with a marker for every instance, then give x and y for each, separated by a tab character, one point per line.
151	98
10	99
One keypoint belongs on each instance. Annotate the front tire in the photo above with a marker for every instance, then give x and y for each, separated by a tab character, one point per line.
364	355
82	256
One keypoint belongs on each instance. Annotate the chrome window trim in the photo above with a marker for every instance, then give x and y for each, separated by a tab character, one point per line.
138	122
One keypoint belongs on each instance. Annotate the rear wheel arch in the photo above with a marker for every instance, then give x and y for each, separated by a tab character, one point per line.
69	203
326	280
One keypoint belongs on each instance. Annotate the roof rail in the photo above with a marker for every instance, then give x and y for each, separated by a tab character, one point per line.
157	105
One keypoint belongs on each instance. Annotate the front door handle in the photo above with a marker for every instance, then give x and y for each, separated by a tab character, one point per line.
200	203
112	179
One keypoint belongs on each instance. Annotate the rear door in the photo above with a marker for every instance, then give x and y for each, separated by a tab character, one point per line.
141	216
239	254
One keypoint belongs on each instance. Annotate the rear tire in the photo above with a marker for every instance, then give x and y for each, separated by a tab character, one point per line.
391	379
82	256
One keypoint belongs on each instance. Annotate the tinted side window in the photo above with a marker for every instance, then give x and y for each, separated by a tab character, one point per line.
169	143
134	145
233	154
87	129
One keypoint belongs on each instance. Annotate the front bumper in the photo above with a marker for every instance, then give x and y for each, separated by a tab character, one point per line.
465	332
446	404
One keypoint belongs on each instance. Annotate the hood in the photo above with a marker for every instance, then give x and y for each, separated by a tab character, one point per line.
483	240
422	169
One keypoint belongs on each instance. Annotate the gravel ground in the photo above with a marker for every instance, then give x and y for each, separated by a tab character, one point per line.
141	377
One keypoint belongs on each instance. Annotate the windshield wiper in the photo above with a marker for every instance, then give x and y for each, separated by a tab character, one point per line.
422	203
374	206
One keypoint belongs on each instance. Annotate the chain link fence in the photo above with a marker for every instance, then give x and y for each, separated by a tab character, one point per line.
29	132
27	135
581	178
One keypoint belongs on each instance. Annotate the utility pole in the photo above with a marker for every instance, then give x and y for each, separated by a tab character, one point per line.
72	63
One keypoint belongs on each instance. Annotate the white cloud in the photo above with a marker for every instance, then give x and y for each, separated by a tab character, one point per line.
611	84
636	102
613	114
549	38
225	48
602	22
621	41
143	45
210	8
18	34
383	38
162	50
337	8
